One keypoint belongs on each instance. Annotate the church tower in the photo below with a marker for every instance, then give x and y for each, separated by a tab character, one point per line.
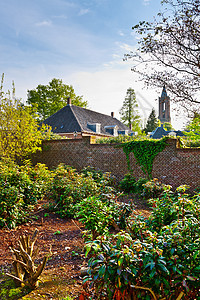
164	107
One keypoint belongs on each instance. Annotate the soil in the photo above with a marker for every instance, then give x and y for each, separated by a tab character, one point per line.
61	278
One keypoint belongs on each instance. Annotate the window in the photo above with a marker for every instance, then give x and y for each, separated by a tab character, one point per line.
96	127
112	129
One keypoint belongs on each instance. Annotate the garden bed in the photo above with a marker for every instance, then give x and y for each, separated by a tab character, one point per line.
62	275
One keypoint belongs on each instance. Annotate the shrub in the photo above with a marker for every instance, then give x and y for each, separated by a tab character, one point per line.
159	255
139	185
152	189
121	211
20	189
167	263
171	206
116	140
98	215
99	177
41	178
90	171
127	184
95	215
188	143
109	265
68	188
10	205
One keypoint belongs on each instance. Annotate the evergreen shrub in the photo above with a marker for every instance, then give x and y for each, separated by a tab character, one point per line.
129	184
20	189
158	255
70	187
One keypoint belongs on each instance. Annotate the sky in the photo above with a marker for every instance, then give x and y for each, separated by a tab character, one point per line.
82	42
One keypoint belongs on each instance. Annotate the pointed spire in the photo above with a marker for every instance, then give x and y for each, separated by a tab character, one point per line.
164	93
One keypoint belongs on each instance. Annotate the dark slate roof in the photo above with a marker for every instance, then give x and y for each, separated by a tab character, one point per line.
179	133
160	132
74	118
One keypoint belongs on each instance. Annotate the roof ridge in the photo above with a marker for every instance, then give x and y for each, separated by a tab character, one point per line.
76	117
94	111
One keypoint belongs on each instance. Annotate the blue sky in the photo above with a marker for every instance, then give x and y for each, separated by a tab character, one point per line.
81	42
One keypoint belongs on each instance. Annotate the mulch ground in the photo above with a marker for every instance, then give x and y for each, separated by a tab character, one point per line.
62	275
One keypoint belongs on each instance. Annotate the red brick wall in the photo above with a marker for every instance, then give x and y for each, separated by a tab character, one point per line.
172	166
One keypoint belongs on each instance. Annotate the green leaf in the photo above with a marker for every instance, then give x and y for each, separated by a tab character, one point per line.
102	270
163	268
120	261
191	278
95	262
150	265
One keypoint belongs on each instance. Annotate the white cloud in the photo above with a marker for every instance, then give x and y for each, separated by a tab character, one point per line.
146	2
116	56
83	12
126	47
44	23
60	17
120	33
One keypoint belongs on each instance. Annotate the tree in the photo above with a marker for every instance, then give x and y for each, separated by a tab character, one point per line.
168	126
193	128
48	99
152	122
169	51
129	113
19	134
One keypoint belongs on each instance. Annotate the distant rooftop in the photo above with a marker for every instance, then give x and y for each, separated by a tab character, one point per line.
73	118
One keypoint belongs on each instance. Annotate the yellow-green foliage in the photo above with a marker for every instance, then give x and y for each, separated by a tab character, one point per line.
193	134
19	134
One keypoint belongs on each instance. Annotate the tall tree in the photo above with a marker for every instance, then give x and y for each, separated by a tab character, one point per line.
129	113
169	51
48	99
152	122
19	134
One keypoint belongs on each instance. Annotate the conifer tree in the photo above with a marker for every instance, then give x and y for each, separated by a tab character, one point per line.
129	112
152	122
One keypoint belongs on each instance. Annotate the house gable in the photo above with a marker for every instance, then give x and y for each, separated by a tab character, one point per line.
63	121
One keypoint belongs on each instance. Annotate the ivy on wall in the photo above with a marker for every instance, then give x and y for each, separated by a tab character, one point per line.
144	151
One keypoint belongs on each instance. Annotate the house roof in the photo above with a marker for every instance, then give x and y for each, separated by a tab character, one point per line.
160	132
74	118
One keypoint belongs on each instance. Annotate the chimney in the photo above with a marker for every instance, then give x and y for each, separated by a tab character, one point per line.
69	102
112	114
